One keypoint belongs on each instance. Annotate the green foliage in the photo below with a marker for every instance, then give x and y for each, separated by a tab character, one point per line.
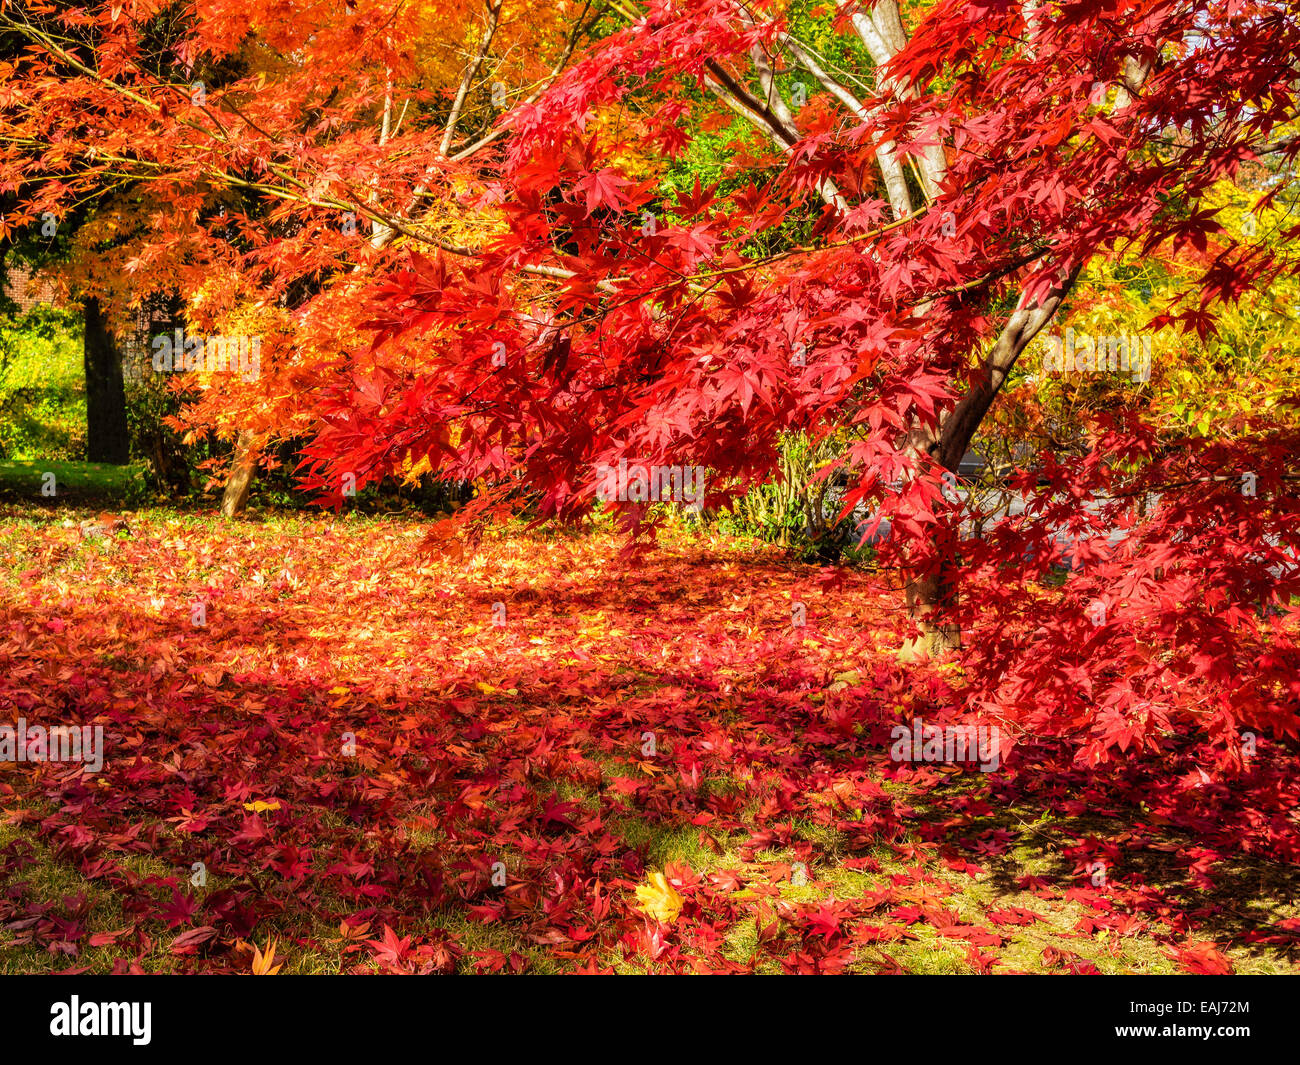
711	155
796	508
42	386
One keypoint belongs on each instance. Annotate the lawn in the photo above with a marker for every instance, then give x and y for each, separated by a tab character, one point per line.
52	481
538	753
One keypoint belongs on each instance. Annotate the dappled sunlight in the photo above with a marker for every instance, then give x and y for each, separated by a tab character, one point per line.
388	760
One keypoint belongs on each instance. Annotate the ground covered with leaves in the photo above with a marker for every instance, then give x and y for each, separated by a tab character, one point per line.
539	754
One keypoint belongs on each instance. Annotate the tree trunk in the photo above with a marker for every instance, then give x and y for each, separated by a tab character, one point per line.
247	449
107	437
929	598
932	594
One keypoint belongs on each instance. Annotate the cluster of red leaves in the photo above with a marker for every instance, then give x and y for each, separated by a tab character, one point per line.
524	744
630	360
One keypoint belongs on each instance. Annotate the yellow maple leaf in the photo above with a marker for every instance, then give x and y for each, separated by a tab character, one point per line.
262	962
659	899
258	806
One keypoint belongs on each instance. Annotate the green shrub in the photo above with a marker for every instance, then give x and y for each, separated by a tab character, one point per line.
42	386
796	510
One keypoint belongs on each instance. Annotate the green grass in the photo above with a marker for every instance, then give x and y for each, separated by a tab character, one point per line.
48	878
73	482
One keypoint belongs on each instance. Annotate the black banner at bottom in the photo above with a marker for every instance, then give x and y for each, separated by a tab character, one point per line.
155	1015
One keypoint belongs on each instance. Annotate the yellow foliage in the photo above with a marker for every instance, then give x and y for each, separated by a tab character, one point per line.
659	899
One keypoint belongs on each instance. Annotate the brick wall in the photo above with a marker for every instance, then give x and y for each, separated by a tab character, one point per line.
23	290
